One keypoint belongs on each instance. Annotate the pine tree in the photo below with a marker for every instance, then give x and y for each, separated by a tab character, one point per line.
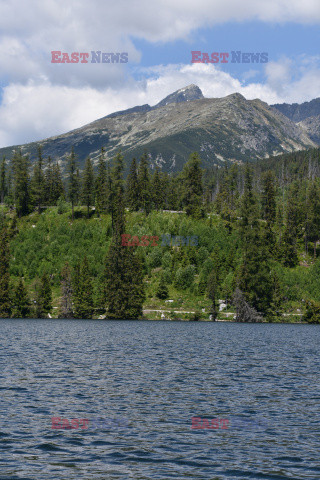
66	307
162	291
123	271
212	290
4	273
173	200
49	182
101	185
157	190
3	180
43	297
193	188
73	180
144	187
20	165
255	280
83	291
77	187
313	214
20	301
10	188
289	252
57	185
88	185
38	182
244	312
132	190
269	207
269	198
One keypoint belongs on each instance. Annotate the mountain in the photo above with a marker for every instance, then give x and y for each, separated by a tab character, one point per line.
187	94
312	127
223	130
306	115
299	112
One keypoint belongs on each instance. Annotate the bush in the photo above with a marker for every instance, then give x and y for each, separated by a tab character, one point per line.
155	258
162	291
184	277
166	260
167	275
203	254
312	314
196	316
62	205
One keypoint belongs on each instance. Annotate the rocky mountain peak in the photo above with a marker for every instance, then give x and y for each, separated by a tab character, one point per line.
186	94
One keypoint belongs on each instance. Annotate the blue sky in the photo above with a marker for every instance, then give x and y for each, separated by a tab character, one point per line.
39	99
288	40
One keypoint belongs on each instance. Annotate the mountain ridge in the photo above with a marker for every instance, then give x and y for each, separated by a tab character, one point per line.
223	130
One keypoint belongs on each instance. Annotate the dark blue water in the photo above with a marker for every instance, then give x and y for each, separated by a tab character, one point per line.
156	376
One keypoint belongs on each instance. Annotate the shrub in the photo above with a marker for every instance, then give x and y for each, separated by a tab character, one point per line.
62	205
155	258
184	277
312	314
162	291
166	260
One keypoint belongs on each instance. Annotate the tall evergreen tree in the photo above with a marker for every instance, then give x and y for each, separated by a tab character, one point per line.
193	188
82	291
66	307
20	301
3	179
123	273
269	198
10	187
21	183
4	273
255	280
144	186
269	207
49	182
73	183
132	190
158	191
57	186
162	291
313	214
43	297
101	185
212	290
88	185
38	182
289	251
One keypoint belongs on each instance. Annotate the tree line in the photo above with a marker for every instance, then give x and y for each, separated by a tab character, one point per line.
272	207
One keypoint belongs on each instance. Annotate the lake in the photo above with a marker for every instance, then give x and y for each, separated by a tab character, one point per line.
132	389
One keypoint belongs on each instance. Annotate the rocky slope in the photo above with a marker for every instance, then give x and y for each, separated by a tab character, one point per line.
223	130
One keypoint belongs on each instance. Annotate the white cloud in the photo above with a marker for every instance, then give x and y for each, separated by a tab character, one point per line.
31	30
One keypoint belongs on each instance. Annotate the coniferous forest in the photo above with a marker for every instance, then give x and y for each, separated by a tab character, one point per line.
257	255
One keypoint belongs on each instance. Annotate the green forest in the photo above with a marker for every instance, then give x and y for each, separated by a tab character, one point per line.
257	255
